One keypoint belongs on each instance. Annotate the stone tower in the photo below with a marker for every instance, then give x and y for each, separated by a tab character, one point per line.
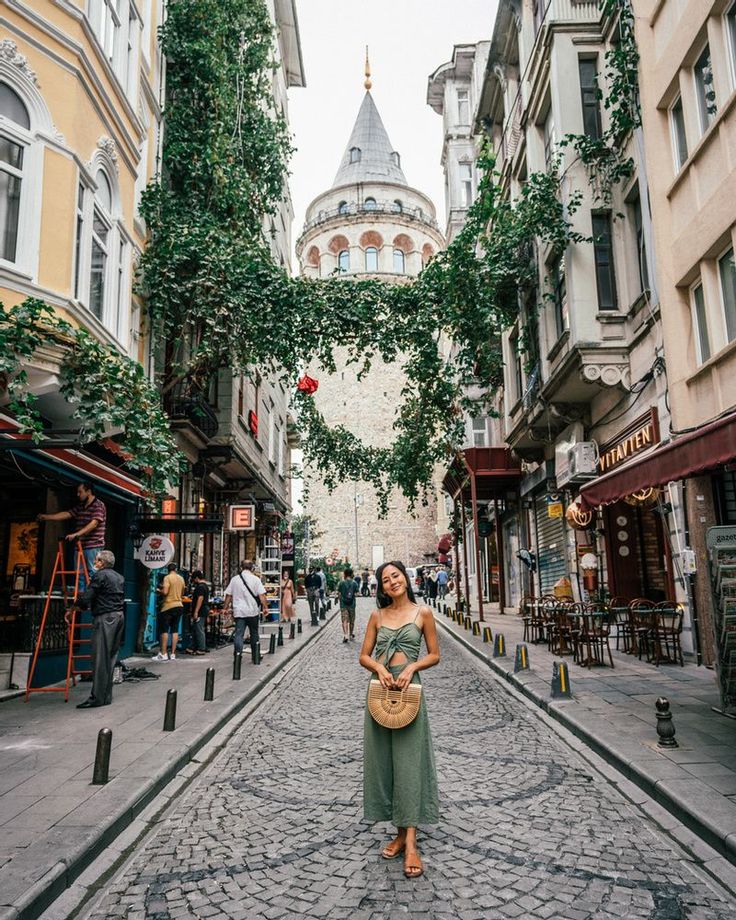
370	223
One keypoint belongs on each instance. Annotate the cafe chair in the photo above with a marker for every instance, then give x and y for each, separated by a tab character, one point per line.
596	634
667	632
642	621
619	607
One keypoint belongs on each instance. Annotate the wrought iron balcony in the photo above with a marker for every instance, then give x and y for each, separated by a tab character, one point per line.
187	402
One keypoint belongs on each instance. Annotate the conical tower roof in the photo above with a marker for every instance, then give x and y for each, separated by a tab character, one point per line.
376	159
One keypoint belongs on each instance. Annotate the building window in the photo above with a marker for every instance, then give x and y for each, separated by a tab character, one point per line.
370	204
396	158
641	246
399	262
701	324
679	137
101	226
397	206
466	184
559	282
517	368
731	30
705	89
105	15
272	435
342	208
463	108
13	115
588	70
550	139
605	275
371	259
79	242
480	436
727	273
343	260
355	154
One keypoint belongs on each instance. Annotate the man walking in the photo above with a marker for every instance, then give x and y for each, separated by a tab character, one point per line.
347	591
172	610
313	584
442	579
322	588
200	609
89	516
104	597
364	589
247	597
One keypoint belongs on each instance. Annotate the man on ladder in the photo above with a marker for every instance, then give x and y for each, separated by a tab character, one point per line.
89	515
104	597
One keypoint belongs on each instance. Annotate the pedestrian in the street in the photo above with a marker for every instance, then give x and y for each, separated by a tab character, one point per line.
313	585
104	598
89	516
200	610
442	579
171	612
364	589
373	584
346	592
288	597
247	597
399	775
432	585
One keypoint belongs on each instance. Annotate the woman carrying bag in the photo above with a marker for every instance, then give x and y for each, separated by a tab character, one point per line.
400	780
288	596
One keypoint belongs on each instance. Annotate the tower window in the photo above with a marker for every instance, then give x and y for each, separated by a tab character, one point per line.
355	154
398	207
399	262
371	259
342	208
343	260
370	204
396	158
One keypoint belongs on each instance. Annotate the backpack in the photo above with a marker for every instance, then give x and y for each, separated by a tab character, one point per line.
349	595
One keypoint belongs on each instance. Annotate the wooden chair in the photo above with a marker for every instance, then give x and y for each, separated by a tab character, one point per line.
642	623
667	631
526	611
597	633
623	625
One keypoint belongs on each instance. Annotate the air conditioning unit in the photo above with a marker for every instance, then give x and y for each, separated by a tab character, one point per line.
582	461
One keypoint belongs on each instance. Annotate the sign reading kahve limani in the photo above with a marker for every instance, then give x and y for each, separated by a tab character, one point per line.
638	437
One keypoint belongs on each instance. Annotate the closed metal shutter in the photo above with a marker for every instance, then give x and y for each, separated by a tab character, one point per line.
551	547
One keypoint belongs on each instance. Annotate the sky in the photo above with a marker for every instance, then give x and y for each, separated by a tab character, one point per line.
408	40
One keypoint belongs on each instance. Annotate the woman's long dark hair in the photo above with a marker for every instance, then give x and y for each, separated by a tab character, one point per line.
382	599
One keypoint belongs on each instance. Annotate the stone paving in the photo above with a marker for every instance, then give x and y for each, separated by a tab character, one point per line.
273	827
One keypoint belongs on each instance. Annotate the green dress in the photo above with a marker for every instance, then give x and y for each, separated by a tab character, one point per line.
399	775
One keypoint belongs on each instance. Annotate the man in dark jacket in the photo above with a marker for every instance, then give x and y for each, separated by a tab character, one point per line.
104	597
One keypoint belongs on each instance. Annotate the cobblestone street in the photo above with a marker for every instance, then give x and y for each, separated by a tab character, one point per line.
273	827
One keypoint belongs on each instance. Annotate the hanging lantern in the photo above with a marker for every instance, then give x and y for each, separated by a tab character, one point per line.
307	385
578	518
645	497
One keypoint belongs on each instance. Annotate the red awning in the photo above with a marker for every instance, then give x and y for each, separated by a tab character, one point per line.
709	447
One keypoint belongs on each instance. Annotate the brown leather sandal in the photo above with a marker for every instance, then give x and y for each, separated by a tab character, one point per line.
392	850
413	867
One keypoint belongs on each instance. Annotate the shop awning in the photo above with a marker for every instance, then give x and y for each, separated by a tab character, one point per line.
495	470
707	448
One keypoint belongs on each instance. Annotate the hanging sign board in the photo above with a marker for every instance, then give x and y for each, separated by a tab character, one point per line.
241	517
156	551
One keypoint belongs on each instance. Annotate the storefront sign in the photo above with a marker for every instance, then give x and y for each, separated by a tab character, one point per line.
156	551
638	437
554	506
241	517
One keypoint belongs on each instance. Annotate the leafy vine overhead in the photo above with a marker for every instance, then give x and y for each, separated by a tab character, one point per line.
107	388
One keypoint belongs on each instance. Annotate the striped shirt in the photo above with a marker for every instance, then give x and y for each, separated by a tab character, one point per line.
83	514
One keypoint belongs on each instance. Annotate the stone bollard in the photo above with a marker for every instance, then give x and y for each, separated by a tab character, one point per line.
467	623
323	613
272	644
299	627
561	689
665	725
487	634
209	684
237	665
522	658
170	711
280	641
499	646
476	628
101	771
292	630
255	653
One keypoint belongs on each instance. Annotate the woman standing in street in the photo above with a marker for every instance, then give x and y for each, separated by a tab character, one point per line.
400	780
288	596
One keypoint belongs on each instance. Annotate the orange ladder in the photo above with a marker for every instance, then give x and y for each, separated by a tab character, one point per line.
77	640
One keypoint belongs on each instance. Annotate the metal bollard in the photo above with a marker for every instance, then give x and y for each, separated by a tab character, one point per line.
665	725
209	684
560	681
101	771
280	641
454	616
323	613
522	658
170	711
476	628
299	627
444	609
292	630
237	665
255	653
272	644
487	634
499	646
466	624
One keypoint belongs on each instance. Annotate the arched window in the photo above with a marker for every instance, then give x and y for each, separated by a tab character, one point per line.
13	115
396	158
370	204
371	259
342	208
397	206
355	154
100	251
343	260
399	262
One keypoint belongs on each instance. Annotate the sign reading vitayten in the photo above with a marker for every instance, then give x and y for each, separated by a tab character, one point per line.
639	436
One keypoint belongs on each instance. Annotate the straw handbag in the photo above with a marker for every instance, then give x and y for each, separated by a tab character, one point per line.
394	708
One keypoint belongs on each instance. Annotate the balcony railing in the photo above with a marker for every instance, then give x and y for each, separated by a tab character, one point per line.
532	388
380	207
187	402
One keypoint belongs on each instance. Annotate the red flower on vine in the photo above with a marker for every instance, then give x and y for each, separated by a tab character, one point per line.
307	385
